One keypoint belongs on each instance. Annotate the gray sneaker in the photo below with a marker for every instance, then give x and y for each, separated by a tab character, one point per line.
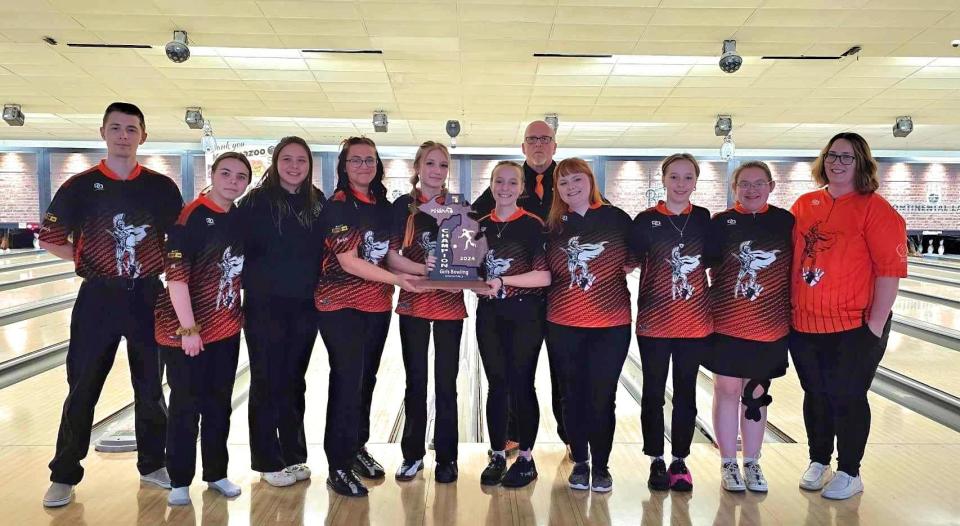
58	495
157	478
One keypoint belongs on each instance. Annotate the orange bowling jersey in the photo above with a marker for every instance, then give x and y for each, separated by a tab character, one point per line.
841	246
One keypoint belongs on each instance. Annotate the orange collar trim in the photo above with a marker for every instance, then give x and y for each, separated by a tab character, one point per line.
366	198
516	215
662	208
739	208
209	203
105	170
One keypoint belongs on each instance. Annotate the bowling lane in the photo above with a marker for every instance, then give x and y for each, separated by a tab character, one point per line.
930	289
948	275
941	315
924	362
26	336
10	277
26	259
952	263
22	296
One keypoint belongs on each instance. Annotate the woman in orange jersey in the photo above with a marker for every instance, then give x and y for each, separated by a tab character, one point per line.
750	249
198	323
354	296
510	324
588	314
849	255
415	233
673	316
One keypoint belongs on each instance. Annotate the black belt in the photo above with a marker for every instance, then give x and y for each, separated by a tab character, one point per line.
115	282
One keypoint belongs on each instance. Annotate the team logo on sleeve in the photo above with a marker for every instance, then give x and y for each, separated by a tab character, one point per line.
495	268
814	242
751	263
578	257
681	267
230	268
126	237
372	250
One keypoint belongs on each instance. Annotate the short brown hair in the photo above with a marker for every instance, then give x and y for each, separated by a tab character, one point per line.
750	164
865	179
679	157
512	164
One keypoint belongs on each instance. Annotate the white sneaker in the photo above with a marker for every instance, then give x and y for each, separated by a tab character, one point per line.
179	496
225	487
730	477
279	479
842	487
816	476
301	471
754	477
157	478
57	495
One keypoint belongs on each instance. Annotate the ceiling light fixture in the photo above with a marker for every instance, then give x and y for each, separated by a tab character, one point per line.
13	114
730	61
553	120
903	126
380	121
453	129
178	49
723	126
194	118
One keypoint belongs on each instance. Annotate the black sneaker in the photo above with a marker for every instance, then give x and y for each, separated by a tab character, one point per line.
600	480
446	472
408	469
366	466
345	482
659	479
580	476
494	471
680	477
522	472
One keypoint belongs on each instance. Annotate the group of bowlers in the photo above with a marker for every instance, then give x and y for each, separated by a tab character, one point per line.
818	280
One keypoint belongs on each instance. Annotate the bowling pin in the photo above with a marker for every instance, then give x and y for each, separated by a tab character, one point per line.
941	249
930	246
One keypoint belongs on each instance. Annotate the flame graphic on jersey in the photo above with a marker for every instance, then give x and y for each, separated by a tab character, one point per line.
577	258
126	238
496	267
814	242
372	250
681	267
230	268
751	262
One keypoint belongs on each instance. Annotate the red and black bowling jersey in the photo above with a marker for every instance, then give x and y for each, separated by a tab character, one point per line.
516	245
205	251
673	301
750	254
586	256
117	226
432	304
354	223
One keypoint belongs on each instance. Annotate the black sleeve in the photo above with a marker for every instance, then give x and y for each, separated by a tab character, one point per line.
713	241
485	203
401	209
638	239
169	204
63	214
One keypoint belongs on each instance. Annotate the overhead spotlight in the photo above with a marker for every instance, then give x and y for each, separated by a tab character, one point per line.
193	118
207	141
380	121
723	126
901	128
178	49
553	120
453	129
728	149
730	61
12	114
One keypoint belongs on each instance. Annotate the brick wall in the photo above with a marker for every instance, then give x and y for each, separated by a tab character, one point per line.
65	165
635	186
397	173
18	188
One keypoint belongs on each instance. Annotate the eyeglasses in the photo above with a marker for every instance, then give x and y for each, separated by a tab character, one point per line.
747	185
845	158
357	162
543	139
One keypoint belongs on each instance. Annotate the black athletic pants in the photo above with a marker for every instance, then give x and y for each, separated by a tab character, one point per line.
201	388
280	336
105	311
509	336
556	391
354	340
836	370
655	358
590	361
415	340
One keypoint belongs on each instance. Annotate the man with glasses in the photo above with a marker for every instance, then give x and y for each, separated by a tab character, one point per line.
538	147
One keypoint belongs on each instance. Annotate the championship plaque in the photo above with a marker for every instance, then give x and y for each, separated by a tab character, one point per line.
458	251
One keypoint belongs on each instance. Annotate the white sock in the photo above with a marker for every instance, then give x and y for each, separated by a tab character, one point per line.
225	487
676	458
179	496
727	460
501	454
749	460
654	459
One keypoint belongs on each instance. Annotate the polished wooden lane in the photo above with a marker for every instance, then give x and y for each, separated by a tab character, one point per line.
924	362
948	292
946	262
13	276
22	296
26	259
26	336
941	315
894	495
948	275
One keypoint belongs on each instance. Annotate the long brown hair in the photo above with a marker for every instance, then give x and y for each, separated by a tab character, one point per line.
307	193
422	152
557	207
665	164
377	188
865	176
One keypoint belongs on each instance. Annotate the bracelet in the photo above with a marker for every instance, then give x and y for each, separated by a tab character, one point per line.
192	331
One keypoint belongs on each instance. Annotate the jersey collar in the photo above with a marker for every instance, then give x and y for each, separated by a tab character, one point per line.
516	215
739	208
662	208
105	170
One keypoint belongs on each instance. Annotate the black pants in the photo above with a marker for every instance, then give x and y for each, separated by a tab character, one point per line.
655	357
556	391
415	340
280	336
201	387
509	336
836	371
354	340
103	313
590	362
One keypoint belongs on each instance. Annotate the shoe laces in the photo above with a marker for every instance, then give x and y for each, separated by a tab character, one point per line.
754	469
364	456
730	470
678	467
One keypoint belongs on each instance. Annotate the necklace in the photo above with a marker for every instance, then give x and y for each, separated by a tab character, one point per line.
500	230
680	230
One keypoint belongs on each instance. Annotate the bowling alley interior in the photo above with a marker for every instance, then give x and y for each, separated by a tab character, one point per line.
620	84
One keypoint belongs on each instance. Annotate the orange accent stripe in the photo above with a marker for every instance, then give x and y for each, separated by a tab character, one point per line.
105	170
662	208
366	198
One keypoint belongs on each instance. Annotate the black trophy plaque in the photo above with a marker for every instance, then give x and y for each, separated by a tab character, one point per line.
458	251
